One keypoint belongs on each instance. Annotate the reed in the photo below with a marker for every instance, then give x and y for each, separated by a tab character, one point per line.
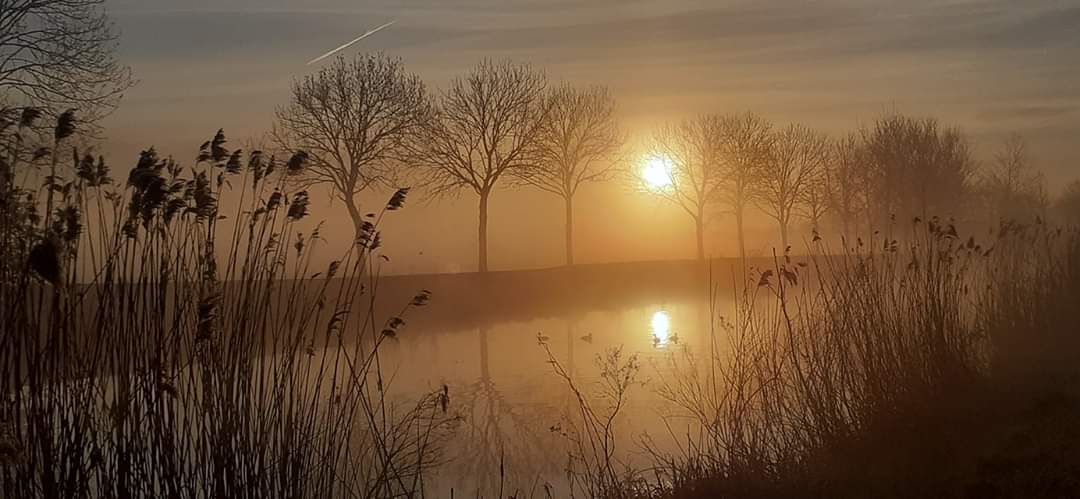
154	347
887	368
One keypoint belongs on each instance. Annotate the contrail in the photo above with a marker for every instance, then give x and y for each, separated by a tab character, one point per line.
347	45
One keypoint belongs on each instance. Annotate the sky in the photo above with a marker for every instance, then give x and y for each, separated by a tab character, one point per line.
991	67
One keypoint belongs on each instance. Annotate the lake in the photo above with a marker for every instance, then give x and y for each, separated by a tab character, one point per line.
480	336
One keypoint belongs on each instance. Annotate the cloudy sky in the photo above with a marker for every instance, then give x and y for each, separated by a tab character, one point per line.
992	67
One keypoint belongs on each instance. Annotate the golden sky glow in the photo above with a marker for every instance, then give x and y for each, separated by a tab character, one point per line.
992	67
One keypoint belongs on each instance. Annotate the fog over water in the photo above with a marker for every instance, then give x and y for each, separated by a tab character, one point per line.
610	249
480	336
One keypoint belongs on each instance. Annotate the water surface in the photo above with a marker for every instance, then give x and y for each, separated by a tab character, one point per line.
481	338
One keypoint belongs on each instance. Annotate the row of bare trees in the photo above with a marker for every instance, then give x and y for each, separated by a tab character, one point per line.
368	121
897	168
712	160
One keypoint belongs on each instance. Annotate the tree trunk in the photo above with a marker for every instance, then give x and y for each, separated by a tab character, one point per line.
739	229
482	264
699	225
784	235
569	231
742	242
355	215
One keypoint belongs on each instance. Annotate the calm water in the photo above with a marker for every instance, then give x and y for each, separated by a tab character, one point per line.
503	386
479	337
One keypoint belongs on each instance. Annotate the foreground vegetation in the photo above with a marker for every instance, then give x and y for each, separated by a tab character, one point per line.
176	351
145	358
163	353
934	367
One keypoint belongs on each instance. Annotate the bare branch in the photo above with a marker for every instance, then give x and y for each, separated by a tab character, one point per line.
355	119
695	150
746	147
59	54
797	162
917	168
847	181
578	142
489	126
1011	188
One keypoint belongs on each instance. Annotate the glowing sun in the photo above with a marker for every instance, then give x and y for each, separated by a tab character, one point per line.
656	172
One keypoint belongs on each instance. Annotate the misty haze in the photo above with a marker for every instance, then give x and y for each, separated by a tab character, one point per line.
539	249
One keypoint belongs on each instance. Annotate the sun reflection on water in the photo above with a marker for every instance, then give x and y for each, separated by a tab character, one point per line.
661	328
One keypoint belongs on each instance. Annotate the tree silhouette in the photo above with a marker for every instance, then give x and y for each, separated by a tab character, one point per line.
578	143
747	139
59	54
1010	187
814	205
919	169
798	158
846	175
500	433
354	119
694	150
488	128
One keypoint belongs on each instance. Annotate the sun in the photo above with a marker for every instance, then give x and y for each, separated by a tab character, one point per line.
656	172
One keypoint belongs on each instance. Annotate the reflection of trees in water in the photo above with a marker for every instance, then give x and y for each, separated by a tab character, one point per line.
503	442
506	424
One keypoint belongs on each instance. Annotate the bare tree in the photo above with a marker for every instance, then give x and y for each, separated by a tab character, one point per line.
578	143
798	157
59	54
919	168
747	141
354	118
488	129
1011	187
846	176
692	150
814	204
